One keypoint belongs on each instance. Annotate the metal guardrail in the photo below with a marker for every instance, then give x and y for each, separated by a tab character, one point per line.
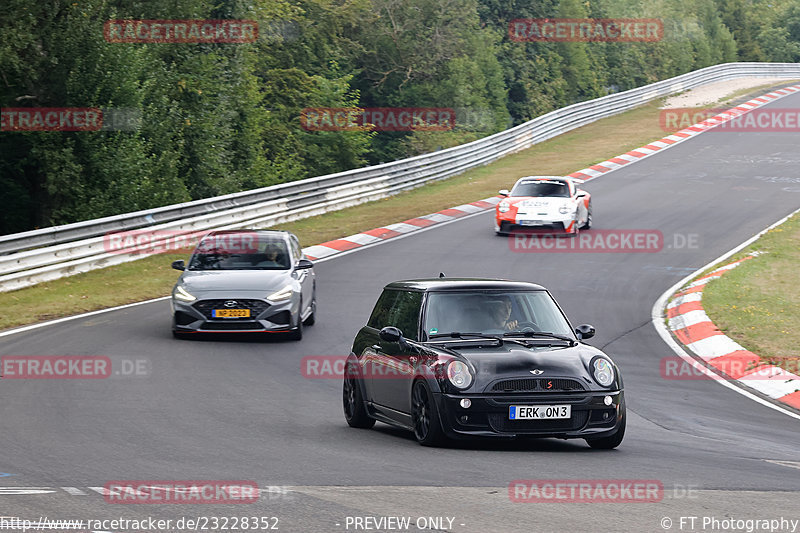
35	256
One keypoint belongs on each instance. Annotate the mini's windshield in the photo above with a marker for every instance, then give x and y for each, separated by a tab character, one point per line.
494	313
263	252
541	188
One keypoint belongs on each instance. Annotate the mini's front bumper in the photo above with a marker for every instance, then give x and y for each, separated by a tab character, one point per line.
488	415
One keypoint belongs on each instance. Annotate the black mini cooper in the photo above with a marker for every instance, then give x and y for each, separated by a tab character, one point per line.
455	358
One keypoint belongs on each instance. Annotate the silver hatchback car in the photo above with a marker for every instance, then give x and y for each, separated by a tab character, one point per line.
244	281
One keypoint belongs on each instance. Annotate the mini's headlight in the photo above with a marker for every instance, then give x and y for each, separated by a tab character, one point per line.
182	294
283	294
503	207
603	372
459	374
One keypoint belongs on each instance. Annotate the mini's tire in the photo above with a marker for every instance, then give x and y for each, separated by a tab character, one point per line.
425	416
355	412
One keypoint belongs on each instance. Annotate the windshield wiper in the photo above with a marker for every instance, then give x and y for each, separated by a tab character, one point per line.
467	336
546	334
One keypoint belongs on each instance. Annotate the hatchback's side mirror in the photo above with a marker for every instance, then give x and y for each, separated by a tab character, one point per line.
585	331
503	192
391	334
304	264
179	265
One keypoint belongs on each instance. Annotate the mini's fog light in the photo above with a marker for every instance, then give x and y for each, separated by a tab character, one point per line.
607	400
605	416
466	403
464	419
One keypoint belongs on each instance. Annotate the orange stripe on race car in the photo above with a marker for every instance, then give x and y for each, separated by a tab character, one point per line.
420	222
697	332
383	233
684	308
341	245
455	213
736	364
792	399
619	161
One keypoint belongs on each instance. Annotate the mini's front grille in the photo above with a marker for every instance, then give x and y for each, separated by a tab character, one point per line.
501	422
228	326
207	306
537	385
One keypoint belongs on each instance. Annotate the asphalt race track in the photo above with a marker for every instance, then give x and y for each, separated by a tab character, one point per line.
233	410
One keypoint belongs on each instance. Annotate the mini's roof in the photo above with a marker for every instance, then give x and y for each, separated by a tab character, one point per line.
460	284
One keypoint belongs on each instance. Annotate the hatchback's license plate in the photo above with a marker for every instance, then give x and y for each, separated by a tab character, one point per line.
230	313
539	412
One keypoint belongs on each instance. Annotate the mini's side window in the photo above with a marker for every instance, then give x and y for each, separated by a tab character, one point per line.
380	315
405	313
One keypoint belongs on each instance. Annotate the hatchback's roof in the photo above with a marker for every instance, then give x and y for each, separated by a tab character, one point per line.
460	284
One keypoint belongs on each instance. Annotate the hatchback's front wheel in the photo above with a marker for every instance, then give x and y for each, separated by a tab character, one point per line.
425	416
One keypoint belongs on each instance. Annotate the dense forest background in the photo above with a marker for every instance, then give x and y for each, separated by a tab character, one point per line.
221	118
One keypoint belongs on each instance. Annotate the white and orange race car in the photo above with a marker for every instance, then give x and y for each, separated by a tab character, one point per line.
544	204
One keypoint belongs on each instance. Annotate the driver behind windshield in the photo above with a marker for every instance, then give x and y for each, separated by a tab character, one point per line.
500	314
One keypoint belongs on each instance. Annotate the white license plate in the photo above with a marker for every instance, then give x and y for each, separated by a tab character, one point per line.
539	412
531	222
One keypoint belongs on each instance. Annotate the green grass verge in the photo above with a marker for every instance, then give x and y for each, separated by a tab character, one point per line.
757	304
152	277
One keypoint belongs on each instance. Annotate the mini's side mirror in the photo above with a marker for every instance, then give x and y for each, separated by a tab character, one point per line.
304	264
503	192
585	331
391	334
179	265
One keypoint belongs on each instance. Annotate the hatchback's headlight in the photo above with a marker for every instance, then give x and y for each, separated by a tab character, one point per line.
459	374
603	372
182	294
283	294
503	207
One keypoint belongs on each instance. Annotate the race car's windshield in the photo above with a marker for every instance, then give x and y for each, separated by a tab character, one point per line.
494	313
541	188
249	252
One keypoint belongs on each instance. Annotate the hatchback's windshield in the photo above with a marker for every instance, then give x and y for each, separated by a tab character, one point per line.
541	188
493	313
263	253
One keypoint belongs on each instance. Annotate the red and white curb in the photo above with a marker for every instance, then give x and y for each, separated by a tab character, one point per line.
649	149
694	329
330	248
344	244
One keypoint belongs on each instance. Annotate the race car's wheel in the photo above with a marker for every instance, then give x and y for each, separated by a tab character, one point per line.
588	223
312	318
297	333
425	416
354	411
612	441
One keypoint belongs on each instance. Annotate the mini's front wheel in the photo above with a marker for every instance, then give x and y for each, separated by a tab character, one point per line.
425	416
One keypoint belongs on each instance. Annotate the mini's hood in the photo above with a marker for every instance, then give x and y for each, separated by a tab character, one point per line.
235	280
512	360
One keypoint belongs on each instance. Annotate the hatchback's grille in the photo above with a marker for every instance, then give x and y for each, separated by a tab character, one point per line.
537	385
207	306
227	326
501	422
